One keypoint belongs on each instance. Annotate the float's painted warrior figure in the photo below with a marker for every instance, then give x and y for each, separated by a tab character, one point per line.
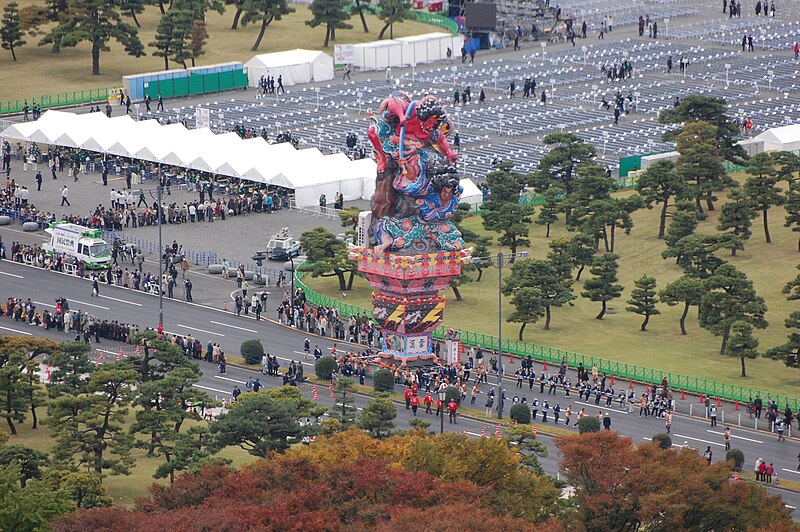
413	249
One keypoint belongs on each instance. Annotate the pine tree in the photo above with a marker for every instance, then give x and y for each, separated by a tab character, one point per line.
333	14
736	215
266	11
393	12
344	408
198	39
742	343
659	184
688	290
11	30
133	8
729	298
700	162
549	289
548	212
378	417
559	166
793	209
96	22
602	286
506	216
643	299
761	189
169	36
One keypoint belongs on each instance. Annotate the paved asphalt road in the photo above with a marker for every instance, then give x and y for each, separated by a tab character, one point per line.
207	323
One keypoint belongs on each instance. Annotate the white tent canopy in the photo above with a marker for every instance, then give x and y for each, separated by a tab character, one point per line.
294	66
308	172
785	138
427	48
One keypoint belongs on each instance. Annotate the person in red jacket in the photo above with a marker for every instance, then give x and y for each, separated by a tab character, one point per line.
452	407
428	402
762	470
769	471
439	407
407	396
414	404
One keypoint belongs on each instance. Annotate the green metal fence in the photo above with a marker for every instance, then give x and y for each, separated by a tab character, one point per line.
55	100
555	356
435	19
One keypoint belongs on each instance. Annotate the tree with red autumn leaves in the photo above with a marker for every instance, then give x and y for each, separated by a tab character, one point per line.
621	486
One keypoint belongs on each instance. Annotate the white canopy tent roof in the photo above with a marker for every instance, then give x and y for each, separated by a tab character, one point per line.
785	138
294	66
309	172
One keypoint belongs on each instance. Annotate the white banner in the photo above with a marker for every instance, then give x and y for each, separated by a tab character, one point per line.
343	54
453	351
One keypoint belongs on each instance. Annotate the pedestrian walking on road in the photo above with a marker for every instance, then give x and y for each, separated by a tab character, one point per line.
708	455
607	421
780	427
236	393
726	437
452	408
668	421
65	196
95	286
712	413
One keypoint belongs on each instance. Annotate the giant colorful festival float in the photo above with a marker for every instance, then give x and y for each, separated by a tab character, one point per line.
409	249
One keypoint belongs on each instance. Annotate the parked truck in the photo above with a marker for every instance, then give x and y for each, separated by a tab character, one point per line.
79	242
282	246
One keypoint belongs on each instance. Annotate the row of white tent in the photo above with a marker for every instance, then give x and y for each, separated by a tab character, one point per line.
308	172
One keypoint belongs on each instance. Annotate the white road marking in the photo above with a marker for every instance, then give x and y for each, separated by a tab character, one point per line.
600	407
199	330
121	300
44	304
737	437
26	333
791	471
87	304
698	439
237	381
12	275
226	392
233	326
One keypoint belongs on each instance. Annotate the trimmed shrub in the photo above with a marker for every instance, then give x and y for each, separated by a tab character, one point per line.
252	351
520	413
663	440
383	381
451	393
325	366
588	424
737	456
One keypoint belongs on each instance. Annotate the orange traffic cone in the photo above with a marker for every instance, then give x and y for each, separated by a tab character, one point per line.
701	397
736	476
225	306
719	402
612	380
648	388
120	355
483	432
545	365
735	407
683	395
138	350
630	385
511	359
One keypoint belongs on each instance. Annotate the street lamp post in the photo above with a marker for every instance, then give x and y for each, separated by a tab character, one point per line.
442	397
727	71
543	45
499	261
291	293
160	259
584	49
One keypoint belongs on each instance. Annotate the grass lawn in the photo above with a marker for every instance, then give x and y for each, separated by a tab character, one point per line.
617	337
40	72
123	489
